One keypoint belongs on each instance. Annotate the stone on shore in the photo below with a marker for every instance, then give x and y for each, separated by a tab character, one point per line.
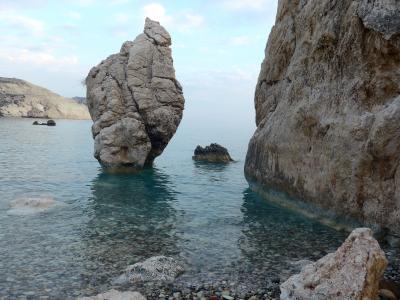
135	101
116	295
157	268
353	272
214	153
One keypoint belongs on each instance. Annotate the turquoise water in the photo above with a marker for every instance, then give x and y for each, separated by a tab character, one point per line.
204	215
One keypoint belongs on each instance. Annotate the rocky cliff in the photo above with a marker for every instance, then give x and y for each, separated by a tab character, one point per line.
328	107
19	98
135	101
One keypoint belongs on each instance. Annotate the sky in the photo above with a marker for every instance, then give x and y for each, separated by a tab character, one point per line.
218	45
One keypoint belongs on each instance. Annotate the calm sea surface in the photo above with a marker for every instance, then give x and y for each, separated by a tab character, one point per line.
204	215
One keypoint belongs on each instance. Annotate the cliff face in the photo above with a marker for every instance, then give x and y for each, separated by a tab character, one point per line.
328	107
19	98
135	101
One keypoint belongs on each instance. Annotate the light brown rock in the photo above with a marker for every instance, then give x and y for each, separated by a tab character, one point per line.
352	272
328	108
135	101
116	295
19	98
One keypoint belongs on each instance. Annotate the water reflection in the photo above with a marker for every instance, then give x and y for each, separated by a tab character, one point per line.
131	219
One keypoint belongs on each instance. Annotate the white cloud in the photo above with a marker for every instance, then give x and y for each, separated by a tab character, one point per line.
40	59
245	4
157	12
118	2
122	18
240	40
73	15
182	21
29	25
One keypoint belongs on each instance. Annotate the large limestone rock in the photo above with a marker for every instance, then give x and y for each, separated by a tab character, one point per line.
135	101
328	108
19	98
353	272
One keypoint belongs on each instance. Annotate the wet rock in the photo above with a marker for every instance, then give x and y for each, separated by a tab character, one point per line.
116	295
387	295
352	272
214	153
157	268
51	123
328	108
28	206
135	101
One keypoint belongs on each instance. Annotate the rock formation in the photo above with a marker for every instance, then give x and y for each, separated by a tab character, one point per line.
135	101
352	272
214	153
19	98
328	108
157	268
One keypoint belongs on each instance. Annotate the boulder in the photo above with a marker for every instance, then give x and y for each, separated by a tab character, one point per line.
328	108
116	295
135	101
353	272
214	153
157	268
51	123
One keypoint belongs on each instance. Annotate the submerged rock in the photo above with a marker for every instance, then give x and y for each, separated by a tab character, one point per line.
48	123
116	295
328	108
135	101
353	272
28	206
157	268
213	153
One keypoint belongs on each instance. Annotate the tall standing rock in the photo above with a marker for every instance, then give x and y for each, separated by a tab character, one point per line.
328	107
135	101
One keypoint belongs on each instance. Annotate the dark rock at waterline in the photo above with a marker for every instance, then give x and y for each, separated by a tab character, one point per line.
48	123
213	153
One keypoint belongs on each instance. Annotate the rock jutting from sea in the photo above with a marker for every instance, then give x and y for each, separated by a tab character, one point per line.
135	101
328	108
214	153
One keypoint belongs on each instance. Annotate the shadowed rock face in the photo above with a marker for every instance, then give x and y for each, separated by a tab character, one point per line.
135	101
328	108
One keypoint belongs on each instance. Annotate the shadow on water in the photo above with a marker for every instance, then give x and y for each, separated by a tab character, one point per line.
131	218
274	237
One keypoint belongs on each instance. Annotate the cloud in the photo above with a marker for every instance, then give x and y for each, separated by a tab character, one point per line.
118	2
122	18
85	2
40	59
246	4
26	24
157	12
182	21
73	15
240	40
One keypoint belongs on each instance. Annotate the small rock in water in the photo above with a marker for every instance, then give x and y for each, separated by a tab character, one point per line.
214	153
116	295
28	206
157	268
